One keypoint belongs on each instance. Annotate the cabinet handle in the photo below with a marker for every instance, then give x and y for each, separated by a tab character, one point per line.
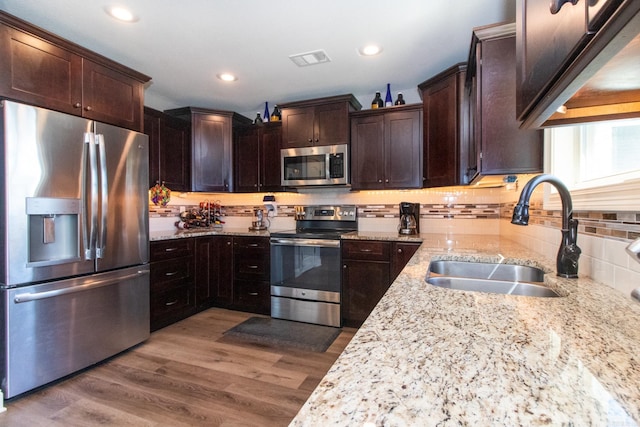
253	294
556	5
365	250
253	267
77	105
170	249
252	245
171	303
88	108
173	273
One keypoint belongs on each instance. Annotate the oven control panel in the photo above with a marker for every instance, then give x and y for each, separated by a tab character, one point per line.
326	213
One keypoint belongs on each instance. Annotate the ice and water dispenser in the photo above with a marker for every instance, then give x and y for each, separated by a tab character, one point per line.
54	230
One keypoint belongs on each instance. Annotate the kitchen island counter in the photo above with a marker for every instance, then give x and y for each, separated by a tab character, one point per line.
433	356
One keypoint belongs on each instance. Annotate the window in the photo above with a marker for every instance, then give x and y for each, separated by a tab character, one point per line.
598	162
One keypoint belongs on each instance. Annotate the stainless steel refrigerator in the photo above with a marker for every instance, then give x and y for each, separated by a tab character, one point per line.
74	248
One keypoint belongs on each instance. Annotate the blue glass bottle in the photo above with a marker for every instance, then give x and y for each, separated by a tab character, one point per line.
266	115
388	101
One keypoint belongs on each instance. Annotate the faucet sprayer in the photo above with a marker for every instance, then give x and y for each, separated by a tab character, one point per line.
569	252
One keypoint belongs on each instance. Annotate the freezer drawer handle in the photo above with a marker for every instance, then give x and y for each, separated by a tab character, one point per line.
64	291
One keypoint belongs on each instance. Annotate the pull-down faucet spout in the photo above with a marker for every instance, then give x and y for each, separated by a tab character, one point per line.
569	252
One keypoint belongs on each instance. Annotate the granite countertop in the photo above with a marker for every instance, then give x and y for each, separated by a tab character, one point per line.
433	356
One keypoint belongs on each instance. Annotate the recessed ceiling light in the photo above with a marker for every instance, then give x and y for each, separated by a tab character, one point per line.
369	50
227	77
121	14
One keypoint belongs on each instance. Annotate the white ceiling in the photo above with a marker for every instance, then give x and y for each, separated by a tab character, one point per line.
182	45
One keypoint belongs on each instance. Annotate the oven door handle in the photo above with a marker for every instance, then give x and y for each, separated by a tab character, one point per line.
320	243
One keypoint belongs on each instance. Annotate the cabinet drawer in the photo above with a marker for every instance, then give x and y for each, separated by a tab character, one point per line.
252	296
173	300
366	250
252	243
251	266
168	249
171	270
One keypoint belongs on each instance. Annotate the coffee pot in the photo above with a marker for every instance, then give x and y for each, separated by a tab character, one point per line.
409	218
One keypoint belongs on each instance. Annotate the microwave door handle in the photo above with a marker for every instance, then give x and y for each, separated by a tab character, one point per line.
104	196
90	143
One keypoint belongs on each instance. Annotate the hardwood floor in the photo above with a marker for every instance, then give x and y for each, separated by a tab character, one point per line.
186	374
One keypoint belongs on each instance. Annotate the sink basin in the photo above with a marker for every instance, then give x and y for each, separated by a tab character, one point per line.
482	270
494	278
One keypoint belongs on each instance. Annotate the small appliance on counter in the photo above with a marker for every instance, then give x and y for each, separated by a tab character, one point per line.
259	223
409	218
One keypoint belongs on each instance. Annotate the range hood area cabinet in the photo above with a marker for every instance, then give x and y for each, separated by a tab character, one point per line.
42	69
498	145
211	146
322	121
169	150
583	58
386	148
257	158
446	128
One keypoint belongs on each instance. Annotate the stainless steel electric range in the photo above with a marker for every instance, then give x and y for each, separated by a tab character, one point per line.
305	265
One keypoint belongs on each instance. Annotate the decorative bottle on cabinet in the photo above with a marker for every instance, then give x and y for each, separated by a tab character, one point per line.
266	112
276	115
377	101
388	101
400	100
258	119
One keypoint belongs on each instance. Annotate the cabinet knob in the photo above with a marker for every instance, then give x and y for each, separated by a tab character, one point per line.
386	180
309	140
556	5
344	266
399	250
88	108
77	105
316	140
229	243
380	181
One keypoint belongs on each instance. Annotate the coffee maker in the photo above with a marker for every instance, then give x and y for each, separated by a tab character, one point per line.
409	218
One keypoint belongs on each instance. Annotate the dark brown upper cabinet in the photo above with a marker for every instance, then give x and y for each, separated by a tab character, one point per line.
386	148
45	70
446	128
257	158
169	150
498	145
323	121
579	64
211	146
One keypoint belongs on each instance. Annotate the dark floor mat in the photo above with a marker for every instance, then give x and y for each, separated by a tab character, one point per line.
285	333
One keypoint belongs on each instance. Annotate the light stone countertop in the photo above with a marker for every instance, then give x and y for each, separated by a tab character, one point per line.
432	356
204	231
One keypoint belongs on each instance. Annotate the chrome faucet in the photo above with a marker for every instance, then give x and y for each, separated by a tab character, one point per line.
569	252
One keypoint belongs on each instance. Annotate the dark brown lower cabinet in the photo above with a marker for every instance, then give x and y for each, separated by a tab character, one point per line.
172	286
368	269
251	274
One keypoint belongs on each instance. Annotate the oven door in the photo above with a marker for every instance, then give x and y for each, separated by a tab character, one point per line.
305	280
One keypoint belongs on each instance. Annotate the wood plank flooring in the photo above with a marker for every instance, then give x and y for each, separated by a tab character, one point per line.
186	374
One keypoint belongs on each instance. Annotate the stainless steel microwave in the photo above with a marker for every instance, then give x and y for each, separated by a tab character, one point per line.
321	165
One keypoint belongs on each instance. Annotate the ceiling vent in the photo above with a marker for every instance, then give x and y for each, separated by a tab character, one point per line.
310	58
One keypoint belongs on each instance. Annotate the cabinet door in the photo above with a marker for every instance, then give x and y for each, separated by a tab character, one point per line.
546	43
363	284
297	127
175	153
246	153
503	147
40	73
152	129
443	138
206	271
212	153
401	253
270	179
367	152
111	97
331	124
224	264
403	149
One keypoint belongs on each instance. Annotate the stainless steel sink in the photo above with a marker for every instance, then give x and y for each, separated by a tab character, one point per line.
489	277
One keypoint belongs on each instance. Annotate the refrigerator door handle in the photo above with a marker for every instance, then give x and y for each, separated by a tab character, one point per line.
29	296
90	141
104	196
